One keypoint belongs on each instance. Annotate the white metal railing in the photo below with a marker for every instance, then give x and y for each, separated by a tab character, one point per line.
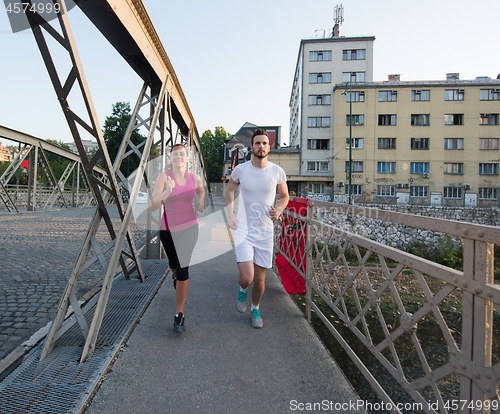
383	299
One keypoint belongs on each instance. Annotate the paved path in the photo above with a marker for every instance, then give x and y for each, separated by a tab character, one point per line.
221	364
37	254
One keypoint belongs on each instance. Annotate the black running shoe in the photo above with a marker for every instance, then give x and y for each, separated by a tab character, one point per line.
174	281
179	325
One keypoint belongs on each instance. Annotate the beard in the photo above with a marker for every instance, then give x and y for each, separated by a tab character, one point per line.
256	154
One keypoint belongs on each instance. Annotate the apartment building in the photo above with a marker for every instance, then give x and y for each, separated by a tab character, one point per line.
421	142
323	63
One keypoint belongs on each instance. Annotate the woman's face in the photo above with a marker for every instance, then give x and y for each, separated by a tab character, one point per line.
179	157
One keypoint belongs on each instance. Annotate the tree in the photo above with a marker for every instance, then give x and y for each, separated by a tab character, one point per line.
213	144
114	131
57	164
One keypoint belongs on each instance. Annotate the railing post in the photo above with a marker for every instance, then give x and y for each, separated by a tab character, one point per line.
477	329
309	265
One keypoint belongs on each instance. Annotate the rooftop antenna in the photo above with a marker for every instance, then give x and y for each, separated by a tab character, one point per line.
338	18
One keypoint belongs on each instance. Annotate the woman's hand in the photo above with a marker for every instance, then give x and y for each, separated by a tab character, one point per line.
200	206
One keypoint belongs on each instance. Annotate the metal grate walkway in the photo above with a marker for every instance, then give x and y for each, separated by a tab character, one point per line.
59	383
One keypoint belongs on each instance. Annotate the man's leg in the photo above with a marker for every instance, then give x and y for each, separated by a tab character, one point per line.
259	284
246	274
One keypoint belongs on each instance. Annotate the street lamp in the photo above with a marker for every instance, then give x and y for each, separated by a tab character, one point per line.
350	133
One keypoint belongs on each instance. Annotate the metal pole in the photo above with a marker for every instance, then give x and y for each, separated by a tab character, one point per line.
350	139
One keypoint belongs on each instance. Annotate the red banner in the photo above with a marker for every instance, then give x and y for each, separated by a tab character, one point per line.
292	242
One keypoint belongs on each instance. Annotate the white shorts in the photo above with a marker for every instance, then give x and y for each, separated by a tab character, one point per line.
259	252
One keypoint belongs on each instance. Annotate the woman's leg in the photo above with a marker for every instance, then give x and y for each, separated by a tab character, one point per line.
185	242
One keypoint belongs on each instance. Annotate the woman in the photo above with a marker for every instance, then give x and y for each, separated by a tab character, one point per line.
176	190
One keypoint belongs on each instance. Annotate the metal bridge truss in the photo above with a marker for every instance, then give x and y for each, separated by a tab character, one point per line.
35	150
377	300
161	95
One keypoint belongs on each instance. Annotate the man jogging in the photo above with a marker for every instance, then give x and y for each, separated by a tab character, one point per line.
257	181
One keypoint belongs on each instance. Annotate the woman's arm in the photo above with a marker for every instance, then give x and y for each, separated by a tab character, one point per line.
200	193
163	187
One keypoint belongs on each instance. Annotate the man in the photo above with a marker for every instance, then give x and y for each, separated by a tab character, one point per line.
257	181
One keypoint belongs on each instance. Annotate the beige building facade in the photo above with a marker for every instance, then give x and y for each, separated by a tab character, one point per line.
431	143
421	142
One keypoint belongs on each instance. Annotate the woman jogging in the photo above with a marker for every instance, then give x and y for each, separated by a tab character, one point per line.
176	190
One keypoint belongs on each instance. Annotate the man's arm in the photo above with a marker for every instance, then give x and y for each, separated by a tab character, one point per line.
230	189
284	198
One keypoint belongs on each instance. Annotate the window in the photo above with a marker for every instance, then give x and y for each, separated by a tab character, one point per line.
357	143
454	119
356	189
358	96
356	119
318	122
320	77
353	77
488	119
316	188
453	192
454	94
420	143
385	190
488	143
315	144
453	143
488	193
387	96
387	143
488	169
320	99
356	54
318	166
357	166
320	55
386	167
419	191
419	167
420	95
420	119
387	119
453	168
489	94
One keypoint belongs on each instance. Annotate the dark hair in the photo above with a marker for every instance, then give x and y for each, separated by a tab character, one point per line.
177	145
259	131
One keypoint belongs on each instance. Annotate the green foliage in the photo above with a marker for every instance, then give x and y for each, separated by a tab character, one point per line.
57	163
212	146
444	252
115	126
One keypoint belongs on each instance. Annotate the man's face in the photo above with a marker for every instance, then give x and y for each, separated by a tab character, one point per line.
260	147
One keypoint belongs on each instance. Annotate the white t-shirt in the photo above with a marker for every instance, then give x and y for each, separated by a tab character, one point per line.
257	192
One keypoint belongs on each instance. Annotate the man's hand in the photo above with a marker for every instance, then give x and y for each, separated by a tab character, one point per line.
274	214
232	223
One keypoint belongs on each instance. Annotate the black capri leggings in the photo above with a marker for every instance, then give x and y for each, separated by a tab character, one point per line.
179	246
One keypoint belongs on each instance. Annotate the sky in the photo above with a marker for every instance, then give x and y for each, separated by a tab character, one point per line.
236	60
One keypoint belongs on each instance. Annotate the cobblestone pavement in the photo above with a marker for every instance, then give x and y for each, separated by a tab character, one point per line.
37	254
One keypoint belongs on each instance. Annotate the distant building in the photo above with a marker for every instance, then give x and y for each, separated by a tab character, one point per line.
5	155
90	146
418	142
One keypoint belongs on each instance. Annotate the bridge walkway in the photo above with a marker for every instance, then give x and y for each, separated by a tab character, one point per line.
220	364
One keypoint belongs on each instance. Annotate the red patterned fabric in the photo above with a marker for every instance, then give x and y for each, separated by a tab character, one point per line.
292	241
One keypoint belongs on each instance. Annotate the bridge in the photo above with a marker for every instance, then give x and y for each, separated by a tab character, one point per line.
350	280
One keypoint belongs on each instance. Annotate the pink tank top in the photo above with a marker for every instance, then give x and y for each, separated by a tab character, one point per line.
179	213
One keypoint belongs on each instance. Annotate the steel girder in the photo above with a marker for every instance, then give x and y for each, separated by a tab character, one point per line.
102	189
